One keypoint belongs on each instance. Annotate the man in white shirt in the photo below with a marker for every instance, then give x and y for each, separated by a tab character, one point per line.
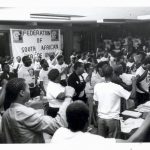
27	72
62	68
21	124
77	115
55	92
109	96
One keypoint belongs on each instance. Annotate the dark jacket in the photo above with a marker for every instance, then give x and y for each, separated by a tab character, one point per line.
74	81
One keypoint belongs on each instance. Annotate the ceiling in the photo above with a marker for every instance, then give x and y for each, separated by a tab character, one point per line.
79	10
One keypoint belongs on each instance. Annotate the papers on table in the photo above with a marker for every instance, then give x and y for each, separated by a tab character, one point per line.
144	107
130	124
131	113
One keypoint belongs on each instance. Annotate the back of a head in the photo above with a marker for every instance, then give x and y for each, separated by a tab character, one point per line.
42	62
13	87
77	115
53	74
107	71
118	69
24	58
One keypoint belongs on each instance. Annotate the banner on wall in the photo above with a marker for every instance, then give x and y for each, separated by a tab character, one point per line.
40	42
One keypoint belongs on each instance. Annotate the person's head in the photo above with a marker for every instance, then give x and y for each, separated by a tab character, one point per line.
79	68
26	61
51	57
73	59
44	64
54	75
118	69
139	57
107	71
60	59
74	53
18	58
99	67
5	67
17	90
88	67
77	115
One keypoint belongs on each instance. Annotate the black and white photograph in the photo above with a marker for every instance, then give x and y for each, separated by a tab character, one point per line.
87	84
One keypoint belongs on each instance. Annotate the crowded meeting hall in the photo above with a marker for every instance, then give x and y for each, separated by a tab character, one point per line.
66	79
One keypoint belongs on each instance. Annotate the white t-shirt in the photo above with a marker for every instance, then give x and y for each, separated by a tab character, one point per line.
60	69
108	95
37	65
27	73
66	136
43	76
53	90
144	83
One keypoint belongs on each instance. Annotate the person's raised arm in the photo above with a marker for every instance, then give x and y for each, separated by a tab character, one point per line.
55	58
41	123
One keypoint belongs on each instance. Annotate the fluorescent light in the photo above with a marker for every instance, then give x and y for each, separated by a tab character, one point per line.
100	21
143	17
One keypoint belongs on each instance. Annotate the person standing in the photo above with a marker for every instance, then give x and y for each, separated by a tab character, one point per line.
27	72
77	81
62	68
109	96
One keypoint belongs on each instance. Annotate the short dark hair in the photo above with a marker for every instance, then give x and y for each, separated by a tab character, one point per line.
24	58
42	61
59	57
53	74
77	115
101	64
107	71
13	87
77	65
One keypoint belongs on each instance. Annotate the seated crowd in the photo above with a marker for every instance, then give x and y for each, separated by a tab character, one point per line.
88	93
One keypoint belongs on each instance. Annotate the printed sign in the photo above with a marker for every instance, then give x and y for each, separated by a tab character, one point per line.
39	42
